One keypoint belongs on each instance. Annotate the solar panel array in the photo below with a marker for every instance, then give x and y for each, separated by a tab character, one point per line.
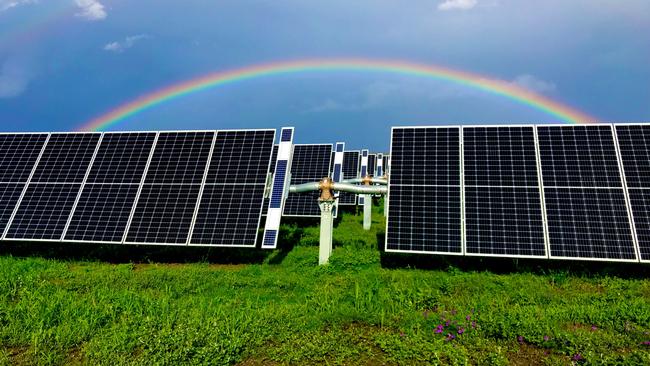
521	191
310	163
170	188
351	169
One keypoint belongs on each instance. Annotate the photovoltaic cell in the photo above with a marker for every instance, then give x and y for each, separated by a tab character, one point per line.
121	158
66	158
424	213
43	211
18	154
634	144
102	212
583	193
311	163
351	164
503	210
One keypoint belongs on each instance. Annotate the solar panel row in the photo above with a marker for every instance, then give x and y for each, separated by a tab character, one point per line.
521	191
152	188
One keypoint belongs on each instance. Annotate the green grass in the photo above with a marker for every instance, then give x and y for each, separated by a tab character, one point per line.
90	305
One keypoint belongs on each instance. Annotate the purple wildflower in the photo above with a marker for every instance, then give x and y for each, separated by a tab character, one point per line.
546	338
461	330
594	328
474	324
577	357
645	343
450	337
468	317
546	353
402	334
447	323
439	329
520	339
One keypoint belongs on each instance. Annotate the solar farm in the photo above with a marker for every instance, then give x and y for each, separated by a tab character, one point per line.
456	244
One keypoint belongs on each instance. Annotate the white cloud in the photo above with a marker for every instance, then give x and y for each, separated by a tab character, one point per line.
14	78
457	5
532	83
128	42
8	4
91	9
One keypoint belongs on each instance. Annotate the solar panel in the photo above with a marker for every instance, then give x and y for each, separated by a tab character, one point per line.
310	163
503	209
278	189
66	158
585	202
107	199
364	171
122	158
350	171
168	198
102	213
372	165
386	165
18	154
163	214
52	192
180	157
424	202
233	194
380	165
43	211
634	143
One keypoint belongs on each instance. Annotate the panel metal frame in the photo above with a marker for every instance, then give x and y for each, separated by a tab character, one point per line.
539	179
550	255
274	215
460	146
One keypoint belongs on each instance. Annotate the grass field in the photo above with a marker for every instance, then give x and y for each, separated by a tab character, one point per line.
113	305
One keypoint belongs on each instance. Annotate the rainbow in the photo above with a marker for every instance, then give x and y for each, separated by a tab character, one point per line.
220	78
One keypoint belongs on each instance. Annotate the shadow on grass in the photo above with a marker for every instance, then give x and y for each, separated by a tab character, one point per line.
134	253
512	265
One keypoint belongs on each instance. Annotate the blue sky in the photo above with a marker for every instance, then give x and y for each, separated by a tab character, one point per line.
63	62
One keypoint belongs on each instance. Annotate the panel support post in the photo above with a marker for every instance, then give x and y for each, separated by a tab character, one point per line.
326	229
367	211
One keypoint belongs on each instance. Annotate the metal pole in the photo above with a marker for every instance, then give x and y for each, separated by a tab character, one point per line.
326	228
367	211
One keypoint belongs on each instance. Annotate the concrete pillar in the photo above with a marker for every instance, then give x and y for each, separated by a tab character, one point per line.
326	229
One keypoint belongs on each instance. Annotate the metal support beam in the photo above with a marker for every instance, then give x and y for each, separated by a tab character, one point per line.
326	229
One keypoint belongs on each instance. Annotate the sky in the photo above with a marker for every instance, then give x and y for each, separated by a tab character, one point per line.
65	62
